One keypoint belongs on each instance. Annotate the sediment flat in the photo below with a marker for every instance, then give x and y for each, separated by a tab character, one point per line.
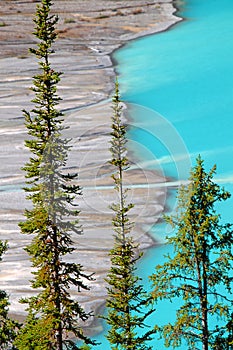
88	33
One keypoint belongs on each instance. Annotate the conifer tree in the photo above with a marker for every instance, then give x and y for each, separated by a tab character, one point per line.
53	315
199	272
8	327
128	303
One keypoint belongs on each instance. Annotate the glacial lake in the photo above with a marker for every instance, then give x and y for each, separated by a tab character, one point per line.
178	86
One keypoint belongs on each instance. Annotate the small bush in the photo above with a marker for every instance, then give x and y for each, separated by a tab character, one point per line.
137	11
120	13
102	16
69	20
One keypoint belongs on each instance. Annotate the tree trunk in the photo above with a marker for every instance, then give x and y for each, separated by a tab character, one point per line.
204	302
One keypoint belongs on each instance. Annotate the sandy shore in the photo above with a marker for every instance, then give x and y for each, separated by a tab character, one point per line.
88	33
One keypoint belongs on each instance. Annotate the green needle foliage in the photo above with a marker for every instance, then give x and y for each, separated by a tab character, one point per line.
53	316
199	272
128	304
8	327
224	339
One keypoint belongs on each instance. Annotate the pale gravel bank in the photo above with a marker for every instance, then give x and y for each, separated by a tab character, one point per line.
89	31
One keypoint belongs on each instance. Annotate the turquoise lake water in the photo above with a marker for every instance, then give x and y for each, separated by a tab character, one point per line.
179	88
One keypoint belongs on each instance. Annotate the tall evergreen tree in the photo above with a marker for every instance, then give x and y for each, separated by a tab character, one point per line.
8	327
199	272
128	303
53	315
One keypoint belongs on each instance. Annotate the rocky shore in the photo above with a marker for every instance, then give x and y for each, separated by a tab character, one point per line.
88	33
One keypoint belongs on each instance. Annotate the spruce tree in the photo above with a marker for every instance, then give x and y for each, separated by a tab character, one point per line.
8	327
199	272
128	304
53	315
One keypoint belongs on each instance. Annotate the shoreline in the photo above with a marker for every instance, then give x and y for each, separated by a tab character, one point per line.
89	129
